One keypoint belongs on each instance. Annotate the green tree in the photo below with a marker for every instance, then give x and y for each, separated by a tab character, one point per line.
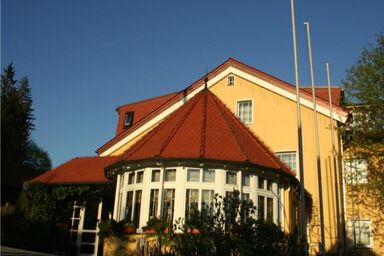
18	152
364	88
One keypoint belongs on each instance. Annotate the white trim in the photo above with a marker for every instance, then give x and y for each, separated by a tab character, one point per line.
210	83
237	110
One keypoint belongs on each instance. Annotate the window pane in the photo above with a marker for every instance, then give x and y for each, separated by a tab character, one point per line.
260	206
136	214
208	175
269	209
155	175
131	178
170	175
191	202
269	185
244	111
246	179
261	183
168	205
129	206
139	177
356	171
231	178
289	158
193	175
153	203
207	200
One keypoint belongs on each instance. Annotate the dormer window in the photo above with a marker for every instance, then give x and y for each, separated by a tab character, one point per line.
231	80
128	120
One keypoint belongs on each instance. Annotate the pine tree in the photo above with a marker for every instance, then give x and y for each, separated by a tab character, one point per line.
18	152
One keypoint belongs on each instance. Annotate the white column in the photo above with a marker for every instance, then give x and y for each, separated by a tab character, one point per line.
117	198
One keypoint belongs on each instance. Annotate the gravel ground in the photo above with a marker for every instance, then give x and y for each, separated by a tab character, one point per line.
8	251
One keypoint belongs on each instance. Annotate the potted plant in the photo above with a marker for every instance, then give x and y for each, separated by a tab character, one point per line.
129	228
156	226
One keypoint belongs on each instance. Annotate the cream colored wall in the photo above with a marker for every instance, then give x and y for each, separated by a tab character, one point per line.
274	121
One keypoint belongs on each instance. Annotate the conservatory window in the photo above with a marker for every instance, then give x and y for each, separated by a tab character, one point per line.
153	203
193	175
191	202
207	200
131	178
139	177
136	213
209	175
231	178
168	205
246	179
155	175
129	206
170	175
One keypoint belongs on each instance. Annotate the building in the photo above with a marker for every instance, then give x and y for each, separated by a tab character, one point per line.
232	129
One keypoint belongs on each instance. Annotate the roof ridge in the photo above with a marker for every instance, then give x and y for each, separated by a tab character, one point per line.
178	125
218	104
147	99
204	125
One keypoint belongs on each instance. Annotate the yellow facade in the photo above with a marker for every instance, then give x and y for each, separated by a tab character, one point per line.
274	121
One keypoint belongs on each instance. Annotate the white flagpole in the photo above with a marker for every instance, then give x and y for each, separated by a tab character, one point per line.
319	178
303	219
337	177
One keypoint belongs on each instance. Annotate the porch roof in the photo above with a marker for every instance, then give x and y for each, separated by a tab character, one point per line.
80	170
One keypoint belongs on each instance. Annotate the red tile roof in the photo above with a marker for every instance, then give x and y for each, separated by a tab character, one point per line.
164	102
322	92
82	170
204	128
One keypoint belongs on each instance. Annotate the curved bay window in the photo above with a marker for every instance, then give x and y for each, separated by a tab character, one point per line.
176	192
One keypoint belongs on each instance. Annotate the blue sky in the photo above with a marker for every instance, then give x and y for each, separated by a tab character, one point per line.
84	58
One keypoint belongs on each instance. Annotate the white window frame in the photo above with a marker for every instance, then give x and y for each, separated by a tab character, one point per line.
231	80
238	102
358	172
354	225
293	151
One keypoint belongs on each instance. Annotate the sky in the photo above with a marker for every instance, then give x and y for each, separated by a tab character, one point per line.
85	58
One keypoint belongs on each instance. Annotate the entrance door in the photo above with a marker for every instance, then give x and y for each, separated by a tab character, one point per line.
84	237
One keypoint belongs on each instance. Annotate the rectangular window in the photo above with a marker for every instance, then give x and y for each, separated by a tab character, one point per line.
269	209
153	203
231	80
231	178
168	205
136	214
209	175
289	158
129	206
155	175
140	177
191	202
359	233
170	175
193	175
207	200
261	206
261	183
128	119
356	171
131	178
269	185
244	111
246	179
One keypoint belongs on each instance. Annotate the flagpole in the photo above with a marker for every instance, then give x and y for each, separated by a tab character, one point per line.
337	177
303	219
319	178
